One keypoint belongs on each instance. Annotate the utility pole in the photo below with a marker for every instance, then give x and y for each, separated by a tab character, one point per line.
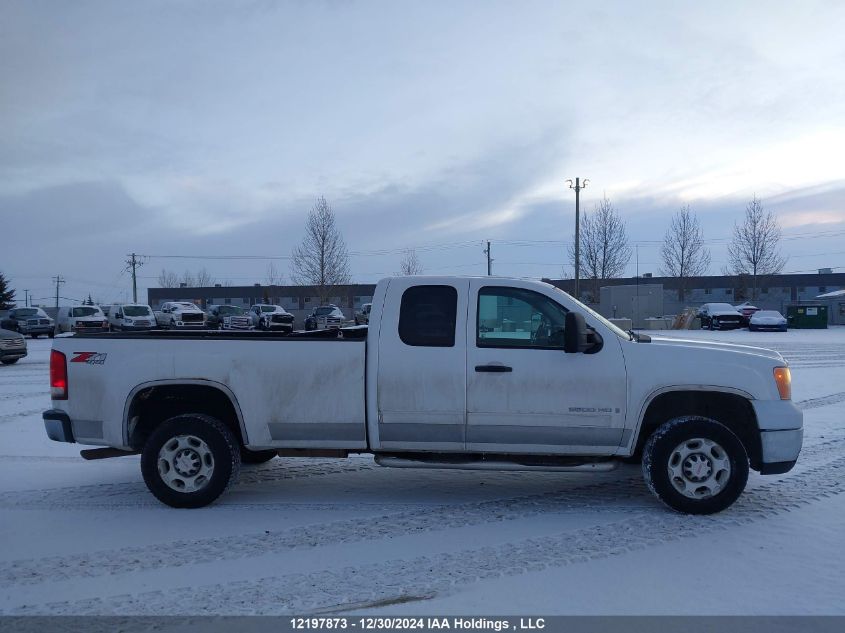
58	280
133	264
26	297
578	187
489	261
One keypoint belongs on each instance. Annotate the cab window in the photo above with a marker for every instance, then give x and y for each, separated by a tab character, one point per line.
518	318
428	316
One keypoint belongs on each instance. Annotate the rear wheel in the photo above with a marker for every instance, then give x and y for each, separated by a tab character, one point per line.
190	460
695	465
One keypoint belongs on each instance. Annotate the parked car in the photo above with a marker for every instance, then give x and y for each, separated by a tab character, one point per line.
227	317
746	310
131	317
32	321
363	316
12	346
180	314
324	318
719	316
81	319
767	320
427	387
266	316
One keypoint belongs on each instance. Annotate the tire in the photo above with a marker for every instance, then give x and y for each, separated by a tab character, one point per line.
203	443
256	457
9	361
691	443
710	325
51	334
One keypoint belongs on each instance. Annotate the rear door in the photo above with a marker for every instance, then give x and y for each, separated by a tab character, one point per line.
422	366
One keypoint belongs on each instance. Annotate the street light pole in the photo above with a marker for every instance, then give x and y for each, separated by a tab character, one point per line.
577	187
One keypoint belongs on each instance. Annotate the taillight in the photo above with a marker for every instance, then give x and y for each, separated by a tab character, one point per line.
58	375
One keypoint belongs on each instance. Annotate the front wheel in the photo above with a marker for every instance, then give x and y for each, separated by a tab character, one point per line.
695	465
51	334
190	460
9	361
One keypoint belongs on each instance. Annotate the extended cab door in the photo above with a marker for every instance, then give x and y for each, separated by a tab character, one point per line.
524	393
422	366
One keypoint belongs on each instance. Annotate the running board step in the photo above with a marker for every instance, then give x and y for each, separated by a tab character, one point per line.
487	464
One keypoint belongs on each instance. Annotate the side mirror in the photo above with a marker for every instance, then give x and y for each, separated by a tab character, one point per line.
578	337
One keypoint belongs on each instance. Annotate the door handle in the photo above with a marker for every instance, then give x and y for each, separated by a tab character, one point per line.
494	368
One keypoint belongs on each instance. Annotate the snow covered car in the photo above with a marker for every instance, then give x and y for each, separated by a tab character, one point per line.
767	320
81	319
363	317
131	317
324	318
32	321
266	316
746	310
180	314
12	347
227	317
719	316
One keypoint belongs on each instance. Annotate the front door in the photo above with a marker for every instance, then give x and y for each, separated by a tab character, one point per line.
524	393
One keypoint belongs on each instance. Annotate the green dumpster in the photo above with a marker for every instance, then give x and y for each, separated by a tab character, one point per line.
807	316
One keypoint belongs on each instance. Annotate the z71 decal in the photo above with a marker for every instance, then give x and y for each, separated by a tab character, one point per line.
92	358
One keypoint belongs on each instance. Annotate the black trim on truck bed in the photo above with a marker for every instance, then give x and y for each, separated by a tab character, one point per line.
356	334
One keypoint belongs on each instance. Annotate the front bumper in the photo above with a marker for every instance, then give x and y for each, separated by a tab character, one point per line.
136	328
12	352
58	426
35	329
781	434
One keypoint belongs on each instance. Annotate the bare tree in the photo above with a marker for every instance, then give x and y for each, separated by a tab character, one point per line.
274	276
604	245
755	247
410	264
187	279
168	279
321	260
203	278
683	252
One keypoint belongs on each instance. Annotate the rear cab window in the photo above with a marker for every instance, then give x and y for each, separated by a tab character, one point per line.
428	316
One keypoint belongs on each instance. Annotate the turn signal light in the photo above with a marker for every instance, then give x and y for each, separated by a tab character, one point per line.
783	379
58	375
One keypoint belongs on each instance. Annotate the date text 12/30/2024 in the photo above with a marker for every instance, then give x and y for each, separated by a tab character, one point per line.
418	624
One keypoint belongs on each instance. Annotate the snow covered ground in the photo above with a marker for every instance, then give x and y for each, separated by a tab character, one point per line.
324	536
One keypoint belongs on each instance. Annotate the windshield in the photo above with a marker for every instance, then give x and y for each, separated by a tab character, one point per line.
268	308
189	306
136	311
769	313
26	312
325	311
85	311
613	328
727	307
230	310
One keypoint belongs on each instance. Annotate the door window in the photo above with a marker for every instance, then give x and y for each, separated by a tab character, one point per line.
427	316
514	317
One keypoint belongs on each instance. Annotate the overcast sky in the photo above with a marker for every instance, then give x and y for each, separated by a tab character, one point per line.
209	128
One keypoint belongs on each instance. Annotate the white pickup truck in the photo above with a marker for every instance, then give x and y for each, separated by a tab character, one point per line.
473	373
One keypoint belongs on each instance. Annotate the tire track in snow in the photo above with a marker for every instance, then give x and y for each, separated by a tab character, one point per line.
823	401
335	590
20	414
390	525
398	522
